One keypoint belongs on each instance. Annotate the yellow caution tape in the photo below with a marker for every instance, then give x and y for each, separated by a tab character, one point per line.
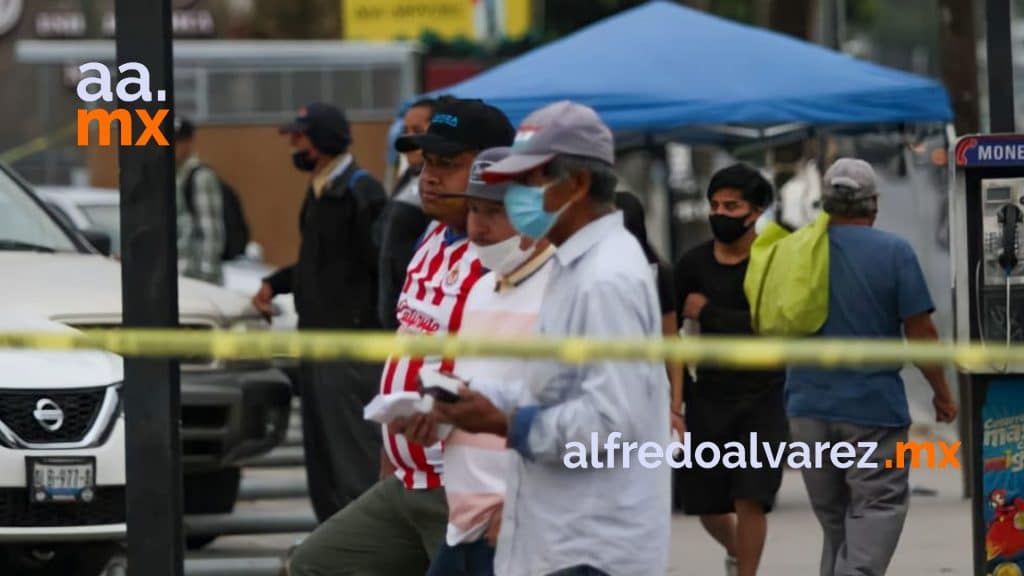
750	353
38	144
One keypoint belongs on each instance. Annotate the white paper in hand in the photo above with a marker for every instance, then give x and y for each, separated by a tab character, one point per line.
385	408
433	379
444	431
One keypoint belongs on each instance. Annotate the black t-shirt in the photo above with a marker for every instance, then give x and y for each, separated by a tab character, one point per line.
727	312
666	293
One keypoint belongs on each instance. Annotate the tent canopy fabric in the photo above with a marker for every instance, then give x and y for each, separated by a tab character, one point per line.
664	70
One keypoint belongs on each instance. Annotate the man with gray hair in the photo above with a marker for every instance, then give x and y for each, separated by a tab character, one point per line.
876	290
573	506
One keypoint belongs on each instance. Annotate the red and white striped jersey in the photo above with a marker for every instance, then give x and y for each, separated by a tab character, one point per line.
437	283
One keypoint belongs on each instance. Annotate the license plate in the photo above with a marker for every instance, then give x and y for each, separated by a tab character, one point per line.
61	479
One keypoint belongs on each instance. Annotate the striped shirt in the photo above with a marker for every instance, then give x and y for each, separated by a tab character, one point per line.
437	283
476	465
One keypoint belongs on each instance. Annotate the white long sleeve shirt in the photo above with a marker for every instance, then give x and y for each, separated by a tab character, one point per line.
555	517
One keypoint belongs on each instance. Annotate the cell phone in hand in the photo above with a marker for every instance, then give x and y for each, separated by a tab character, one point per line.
443	386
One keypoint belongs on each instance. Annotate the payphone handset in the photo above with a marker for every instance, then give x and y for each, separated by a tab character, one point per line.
1002	214
1002	222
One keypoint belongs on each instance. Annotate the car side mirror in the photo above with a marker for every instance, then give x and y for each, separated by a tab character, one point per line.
99	240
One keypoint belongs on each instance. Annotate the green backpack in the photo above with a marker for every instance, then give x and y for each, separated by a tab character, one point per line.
787	280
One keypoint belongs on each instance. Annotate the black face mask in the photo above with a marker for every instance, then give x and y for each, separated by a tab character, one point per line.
728	229
303	161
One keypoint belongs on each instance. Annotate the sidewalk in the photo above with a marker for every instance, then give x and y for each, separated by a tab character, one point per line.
936	539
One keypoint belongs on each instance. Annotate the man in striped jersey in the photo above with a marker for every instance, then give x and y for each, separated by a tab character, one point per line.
397	526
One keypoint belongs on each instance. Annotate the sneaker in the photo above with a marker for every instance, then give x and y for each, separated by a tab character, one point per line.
731	566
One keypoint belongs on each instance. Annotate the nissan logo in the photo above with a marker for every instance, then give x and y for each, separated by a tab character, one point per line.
48	414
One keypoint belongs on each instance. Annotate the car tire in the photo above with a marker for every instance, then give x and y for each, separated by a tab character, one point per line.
213	492
57	560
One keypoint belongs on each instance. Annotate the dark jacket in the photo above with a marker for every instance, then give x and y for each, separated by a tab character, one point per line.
404	224
335	278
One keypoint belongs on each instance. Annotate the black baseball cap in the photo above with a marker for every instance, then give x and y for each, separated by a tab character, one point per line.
460	126
325	125
183	128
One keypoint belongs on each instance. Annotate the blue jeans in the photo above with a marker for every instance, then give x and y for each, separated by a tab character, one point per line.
470	559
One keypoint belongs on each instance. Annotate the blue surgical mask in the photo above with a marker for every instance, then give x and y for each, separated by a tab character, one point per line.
525	208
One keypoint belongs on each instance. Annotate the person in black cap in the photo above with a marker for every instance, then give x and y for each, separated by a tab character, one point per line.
726	405
398	526
199	209
335	286
404	220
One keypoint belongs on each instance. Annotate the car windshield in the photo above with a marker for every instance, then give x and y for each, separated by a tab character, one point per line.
107	219
25	225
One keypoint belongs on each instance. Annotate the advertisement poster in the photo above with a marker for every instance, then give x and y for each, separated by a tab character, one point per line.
1003	477
450	19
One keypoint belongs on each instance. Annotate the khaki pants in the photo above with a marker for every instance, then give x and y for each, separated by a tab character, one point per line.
387	531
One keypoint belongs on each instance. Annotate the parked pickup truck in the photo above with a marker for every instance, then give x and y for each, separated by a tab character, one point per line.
229	411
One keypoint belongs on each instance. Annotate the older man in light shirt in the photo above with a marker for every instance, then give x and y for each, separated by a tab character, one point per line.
562	520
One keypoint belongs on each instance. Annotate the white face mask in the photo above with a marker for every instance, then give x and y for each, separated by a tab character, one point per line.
503	257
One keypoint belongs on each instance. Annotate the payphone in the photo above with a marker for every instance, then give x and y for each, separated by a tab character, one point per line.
1002	263
987	248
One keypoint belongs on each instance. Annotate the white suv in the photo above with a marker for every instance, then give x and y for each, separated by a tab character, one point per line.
62	467
230	411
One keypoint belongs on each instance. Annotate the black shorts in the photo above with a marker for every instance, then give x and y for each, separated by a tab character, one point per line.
708	491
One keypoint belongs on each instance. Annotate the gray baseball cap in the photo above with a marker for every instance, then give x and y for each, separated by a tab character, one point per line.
477	187
561	128
850	179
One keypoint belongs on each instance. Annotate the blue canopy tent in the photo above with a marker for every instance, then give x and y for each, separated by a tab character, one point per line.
663	72
668	72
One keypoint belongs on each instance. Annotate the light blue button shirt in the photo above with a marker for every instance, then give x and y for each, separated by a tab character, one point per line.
618	519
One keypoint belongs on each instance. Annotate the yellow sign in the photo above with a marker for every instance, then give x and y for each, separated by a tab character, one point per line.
449	19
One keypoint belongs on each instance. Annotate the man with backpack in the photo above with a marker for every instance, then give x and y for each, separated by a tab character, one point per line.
876	290
211	224
200	210
335	286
